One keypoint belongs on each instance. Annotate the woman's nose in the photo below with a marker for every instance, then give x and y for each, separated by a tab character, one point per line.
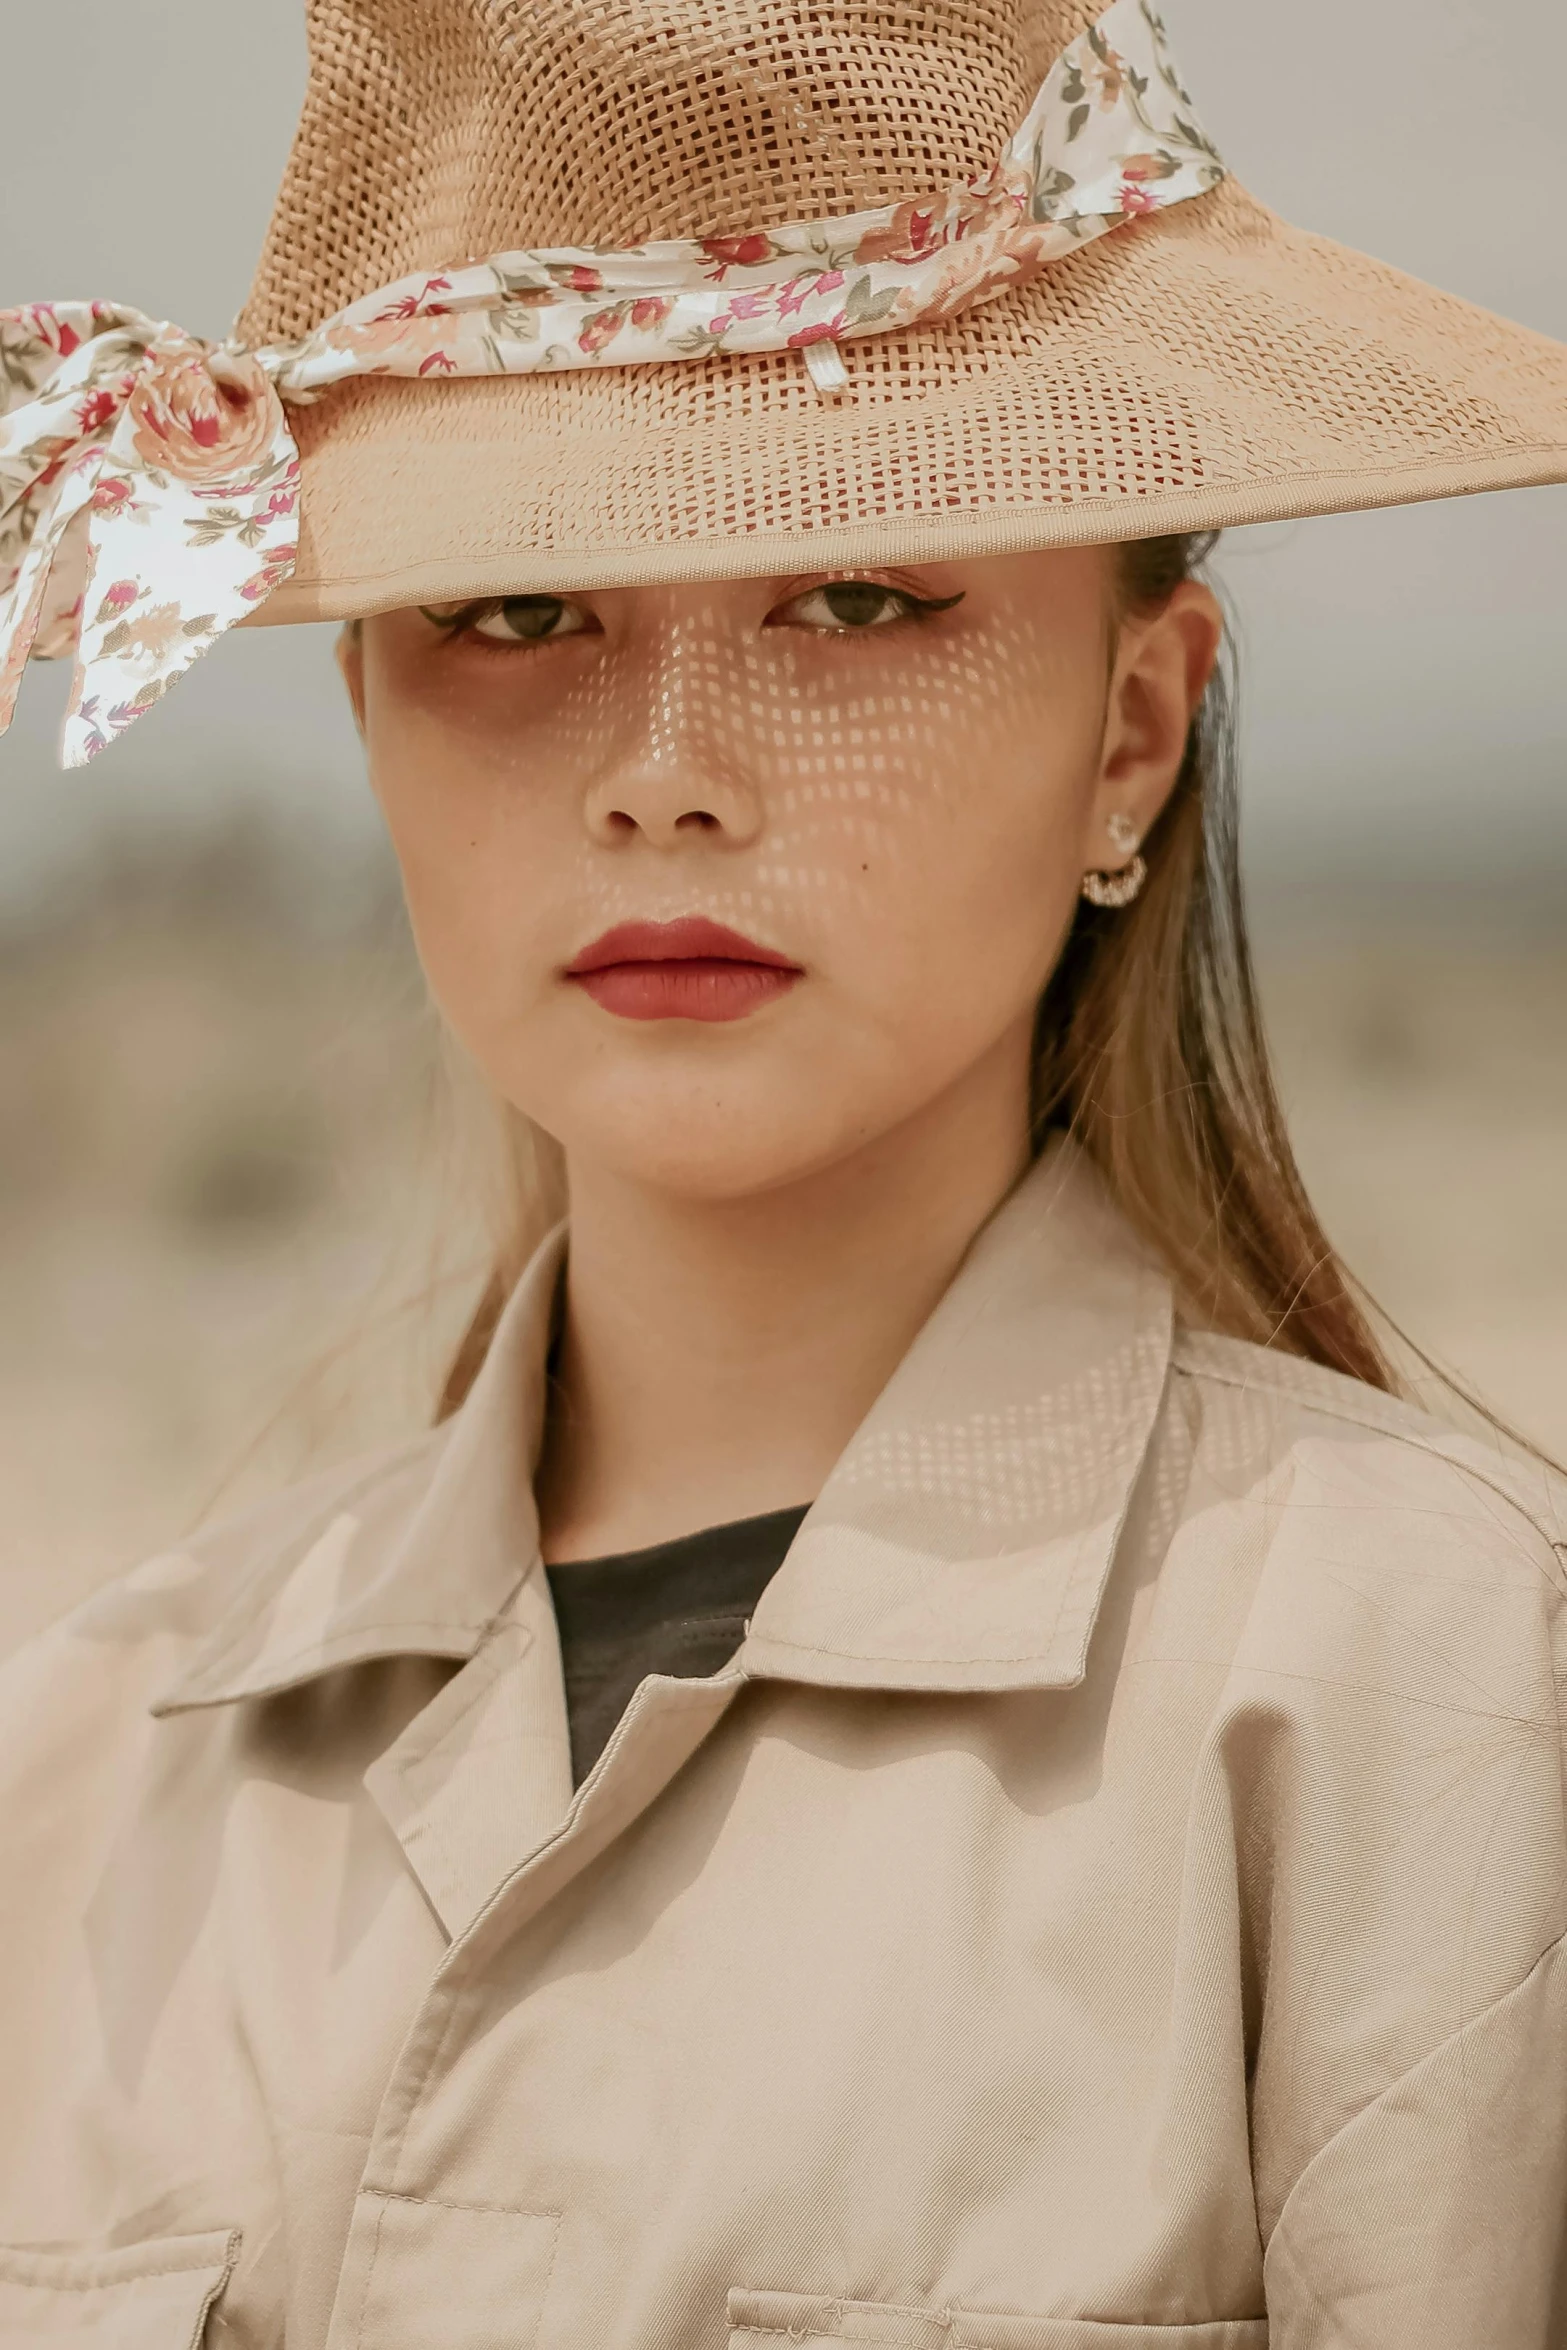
679	771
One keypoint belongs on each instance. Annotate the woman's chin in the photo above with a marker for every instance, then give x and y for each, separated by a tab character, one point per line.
732	1167
710	1149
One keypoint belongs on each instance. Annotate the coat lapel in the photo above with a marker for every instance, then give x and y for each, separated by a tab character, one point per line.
964	1539
962	1542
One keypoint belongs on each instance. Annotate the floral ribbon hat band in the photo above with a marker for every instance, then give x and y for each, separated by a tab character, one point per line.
150	482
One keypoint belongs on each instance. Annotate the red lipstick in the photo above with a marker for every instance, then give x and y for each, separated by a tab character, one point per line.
691	969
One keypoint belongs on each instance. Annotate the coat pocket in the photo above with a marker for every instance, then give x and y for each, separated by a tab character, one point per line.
421	2275
152	2296
809	2321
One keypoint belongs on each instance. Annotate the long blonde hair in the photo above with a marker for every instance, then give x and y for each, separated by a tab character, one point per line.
1149	1047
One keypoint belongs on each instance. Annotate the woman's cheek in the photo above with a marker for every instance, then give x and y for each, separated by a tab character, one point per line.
469	919
966	895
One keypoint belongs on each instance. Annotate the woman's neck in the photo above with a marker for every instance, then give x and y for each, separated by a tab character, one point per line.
716	1356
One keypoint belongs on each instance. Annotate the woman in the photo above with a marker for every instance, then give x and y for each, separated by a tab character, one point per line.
927	1754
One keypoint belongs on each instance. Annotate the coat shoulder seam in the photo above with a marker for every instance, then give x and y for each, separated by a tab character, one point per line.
1330	1395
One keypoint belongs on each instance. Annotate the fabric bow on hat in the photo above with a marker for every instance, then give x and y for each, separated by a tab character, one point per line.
149	481
148	487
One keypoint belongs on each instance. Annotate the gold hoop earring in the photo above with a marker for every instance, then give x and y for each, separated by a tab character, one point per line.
1118	889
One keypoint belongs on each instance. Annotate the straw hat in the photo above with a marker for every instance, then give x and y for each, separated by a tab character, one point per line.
570	293
1205	367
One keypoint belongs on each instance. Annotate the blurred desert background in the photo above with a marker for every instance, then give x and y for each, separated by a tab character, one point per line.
238	1225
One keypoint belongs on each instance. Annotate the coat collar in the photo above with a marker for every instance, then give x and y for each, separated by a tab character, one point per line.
965	1536
962	1541
423	1555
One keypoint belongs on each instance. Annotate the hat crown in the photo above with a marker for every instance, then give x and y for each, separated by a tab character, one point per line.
435	131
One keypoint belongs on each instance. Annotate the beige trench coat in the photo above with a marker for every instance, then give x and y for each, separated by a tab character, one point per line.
1113	1900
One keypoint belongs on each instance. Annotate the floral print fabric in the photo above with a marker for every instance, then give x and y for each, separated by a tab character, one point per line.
1110	137
148	481
147	493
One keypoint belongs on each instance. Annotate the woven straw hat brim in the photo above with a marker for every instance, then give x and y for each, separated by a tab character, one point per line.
1204	369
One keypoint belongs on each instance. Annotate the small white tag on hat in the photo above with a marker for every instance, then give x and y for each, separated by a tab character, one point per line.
828	372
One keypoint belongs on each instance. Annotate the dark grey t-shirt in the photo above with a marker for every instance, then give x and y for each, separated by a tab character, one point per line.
679	1607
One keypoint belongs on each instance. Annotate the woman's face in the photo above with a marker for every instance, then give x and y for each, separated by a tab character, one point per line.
884	786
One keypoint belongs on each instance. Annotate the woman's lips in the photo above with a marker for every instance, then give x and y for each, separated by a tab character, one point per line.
691	969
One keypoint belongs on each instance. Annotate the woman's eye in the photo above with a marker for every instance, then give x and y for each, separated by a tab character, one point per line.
529	620
849	606
849	603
